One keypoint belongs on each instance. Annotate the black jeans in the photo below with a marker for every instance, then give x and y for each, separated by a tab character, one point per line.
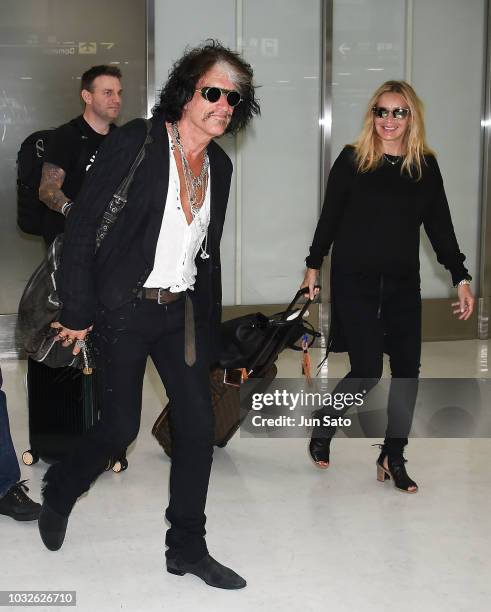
9	465
380	314
125	338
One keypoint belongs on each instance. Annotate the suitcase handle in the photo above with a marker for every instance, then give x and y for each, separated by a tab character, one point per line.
283	322
298	295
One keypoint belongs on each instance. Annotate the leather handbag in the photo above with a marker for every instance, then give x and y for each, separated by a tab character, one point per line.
40	304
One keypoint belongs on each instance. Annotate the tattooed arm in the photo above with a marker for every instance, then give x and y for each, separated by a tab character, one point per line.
50	192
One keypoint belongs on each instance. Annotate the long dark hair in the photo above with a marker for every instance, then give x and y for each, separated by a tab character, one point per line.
187	71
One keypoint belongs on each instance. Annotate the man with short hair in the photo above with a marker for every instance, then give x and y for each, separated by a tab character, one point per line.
154	289
13	499
72	148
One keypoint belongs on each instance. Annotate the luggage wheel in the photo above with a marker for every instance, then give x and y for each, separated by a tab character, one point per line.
29	457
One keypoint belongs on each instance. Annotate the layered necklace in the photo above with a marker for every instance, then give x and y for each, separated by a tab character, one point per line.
196	187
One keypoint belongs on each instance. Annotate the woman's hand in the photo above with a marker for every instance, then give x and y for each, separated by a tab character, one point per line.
465	306
70	336
309	281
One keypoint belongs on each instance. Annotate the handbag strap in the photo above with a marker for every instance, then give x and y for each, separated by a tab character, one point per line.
119	199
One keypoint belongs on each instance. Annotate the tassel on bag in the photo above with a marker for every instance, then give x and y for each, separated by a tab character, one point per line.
306	366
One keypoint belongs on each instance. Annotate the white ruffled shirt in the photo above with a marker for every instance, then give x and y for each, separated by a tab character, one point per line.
178	244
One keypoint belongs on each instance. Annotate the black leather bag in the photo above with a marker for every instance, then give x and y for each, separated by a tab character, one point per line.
40	304
254	341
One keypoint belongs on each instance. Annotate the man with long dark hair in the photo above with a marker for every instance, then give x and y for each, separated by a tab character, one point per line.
154	289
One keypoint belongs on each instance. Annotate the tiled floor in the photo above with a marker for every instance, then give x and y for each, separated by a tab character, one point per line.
304	538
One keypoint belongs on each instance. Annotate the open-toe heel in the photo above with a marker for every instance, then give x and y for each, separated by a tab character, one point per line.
319	449
396	470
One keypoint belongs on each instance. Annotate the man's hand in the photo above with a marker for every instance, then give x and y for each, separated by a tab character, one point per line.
70	336
309	281
465	306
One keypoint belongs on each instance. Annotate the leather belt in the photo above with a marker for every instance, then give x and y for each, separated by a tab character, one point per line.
163	296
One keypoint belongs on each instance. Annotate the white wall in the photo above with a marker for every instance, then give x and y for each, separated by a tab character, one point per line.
448	74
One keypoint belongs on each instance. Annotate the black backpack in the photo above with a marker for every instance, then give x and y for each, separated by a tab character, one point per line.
30	159
30	210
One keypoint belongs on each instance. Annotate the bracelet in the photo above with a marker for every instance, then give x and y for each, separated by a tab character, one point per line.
464	281
65	209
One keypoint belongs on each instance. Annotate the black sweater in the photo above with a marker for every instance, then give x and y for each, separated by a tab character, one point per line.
374	218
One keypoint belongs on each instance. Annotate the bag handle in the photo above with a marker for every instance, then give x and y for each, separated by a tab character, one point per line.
276	325
293	303
119	199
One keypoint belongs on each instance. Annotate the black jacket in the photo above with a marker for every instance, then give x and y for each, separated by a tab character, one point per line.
117	272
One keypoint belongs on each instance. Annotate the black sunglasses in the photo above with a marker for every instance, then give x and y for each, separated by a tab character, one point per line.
212	94
383	113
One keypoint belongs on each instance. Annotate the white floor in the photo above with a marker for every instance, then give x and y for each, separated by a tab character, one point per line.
304	538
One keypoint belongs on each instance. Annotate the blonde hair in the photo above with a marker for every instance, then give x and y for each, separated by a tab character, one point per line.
368	148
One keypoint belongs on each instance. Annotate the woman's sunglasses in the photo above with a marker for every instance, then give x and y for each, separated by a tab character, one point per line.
212	94
383	113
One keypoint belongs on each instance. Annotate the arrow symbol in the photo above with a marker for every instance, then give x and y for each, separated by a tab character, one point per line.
87	47
108	45
343	48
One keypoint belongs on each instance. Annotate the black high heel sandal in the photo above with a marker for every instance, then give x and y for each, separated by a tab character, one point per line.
395	470
319	449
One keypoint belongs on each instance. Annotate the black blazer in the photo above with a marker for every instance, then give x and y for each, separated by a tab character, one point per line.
117	272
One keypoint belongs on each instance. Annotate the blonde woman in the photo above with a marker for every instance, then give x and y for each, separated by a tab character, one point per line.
380	190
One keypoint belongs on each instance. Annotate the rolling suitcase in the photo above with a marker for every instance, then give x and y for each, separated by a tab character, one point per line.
62	405
225	401
252	342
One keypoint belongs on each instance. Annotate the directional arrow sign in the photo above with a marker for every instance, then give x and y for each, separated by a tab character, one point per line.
343	48
88	48
108	45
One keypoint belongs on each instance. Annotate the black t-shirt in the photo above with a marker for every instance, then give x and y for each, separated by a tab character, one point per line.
72	147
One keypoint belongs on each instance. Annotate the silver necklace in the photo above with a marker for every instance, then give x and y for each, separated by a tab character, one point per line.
193	184
392	161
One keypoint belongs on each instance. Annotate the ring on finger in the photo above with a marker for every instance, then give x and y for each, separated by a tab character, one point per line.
69	340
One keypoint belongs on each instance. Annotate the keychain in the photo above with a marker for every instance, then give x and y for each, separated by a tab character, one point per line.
87	370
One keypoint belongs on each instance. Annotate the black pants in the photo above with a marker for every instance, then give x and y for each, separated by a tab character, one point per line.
125	338
380	314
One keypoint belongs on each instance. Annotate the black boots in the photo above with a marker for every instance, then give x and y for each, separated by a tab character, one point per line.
210	571
52	527
395	469
16	504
